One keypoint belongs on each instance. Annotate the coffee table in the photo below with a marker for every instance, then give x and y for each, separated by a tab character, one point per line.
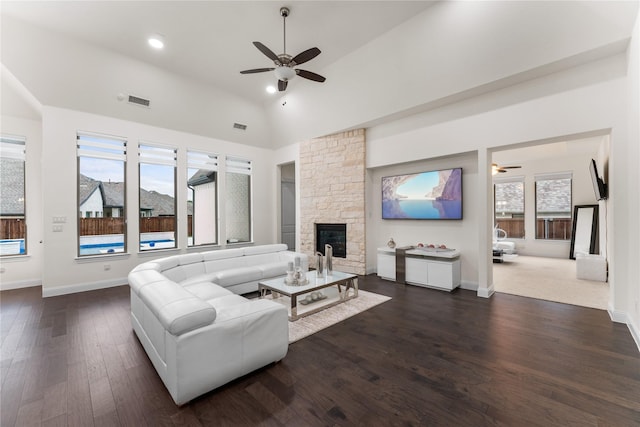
335	289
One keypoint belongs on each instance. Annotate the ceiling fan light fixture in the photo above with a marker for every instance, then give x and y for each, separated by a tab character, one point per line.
271	89
285	73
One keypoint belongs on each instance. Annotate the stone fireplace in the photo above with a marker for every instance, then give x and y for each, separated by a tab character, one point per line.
332	189
334	235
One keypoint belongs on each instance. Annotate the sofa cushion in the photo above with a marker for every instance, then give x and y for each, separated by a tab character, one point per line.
223	254
237	275
273	269
178	310
227	301
264	249
207	290
141	278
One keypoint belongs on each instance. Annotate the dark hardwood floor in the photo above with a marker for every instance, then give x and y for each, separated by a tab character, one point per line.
424	358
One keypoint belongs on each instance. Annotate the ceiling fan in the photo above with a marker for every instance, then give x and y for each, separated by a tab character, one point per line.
284	64
495	168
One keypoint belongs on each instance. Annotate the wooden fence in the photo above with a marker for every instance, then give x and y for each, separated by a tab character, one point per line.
556	228
513	226
12	228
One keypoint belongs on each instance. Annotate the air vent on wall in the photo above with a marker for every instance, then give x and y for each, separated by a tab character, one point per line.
139	101
239	126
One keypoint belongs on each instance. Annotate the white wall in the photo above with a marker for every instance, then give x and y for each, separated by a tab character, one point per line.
65	72
582	194
458	234
426	61
578	102
62	272
633	241
23	271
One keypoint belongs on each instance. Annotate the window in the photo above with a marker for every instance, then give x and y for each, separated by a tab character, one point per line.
101	186
202	195
13	229
157	197
553	206
238	200
509	206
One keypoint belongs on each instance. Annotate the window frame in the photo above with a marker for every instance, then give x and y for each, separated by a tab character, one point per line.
552	177
104	147
203	160
511	180
242	166
14	147
159	155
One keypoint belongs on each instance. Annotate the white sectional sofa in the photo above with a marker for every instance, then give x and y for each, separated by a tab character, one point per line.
196	329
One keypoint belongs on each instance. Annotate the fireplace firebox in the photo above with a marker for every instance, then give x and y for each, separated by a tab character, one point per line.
334	235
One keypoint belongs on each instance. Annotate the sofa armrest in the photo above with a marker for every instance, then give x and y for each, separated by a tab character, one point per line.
243	338
177	309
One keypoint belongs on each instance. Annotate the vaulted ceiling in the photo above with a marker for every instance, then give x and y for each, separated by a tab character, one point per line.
382	59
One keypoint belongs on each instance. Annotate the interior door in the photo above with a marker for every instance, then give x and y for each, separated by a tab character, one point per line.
288	214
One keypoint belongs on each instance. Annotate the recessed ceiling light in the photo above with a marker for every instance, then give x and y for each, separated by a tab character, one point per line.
156	41
271	89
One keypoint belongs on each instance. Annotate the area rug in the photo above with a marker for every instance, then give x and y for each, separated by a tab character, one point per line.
306	326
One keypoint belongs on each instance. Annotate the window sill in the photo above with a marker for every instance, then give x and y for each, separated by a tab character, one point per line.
201	248
152	252
102	257
15	258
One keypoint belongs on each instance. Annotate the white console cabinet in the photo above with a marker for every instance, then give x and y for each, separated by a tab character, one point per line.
433	269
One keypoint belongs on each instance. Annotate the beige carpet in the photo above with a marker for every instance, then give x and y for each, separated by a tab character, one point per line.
306	326
550	279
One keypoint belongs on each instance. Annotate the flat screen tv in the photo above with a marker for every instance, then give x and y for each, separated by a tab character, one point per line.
426	195
599	187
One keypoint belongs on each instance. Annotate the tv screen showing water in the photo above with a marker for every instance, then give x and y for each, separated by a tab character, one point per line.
426	195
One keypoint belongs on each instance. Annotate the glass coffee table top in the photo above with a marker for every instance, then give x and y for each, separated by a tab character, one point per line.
317	294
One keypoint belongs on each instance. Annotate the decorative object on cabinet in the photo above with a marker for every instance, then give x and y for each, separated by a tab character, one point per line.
391	243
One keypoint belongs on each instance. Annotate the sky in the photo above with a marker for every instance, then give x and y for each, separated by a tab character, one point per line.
158	178
419	186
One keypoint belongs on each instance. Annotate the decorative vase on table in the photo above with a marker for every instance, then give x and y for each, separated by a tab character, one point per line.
391	243
328	254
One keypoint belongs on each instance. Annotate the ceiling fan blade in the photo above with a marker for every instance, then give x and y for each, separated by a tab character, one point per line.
311	76
511	167
268	52
257	70
305	56
282	85
501	170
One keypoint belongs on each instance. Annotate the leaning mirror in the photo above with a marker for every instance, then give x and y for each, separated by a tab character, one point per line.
584	234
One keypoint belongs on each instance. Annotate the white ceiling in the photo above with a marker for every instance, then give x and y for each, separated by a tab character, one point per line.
383	60
211	41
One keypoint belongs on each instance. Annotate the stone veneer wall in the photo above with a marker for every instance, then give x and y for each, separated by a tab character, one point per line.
332	189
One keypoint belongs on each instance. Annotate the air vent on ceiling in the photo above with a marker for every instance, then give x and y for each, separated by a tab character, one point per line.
239	126
139	101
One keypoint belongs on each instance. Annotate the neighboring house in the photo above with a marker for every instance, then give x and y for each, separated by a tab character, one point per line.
113	193
203	184
91	199
106	199
11	188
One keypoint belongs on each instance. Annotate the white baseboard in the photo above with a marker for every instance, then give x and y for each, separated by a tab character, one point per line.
617	316
622	317
469	286
82	287
635	334
486	292
19	284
